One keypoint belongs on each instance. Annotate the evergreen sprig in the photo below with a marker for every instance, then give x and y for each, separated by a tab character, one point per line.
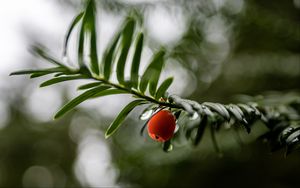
284	128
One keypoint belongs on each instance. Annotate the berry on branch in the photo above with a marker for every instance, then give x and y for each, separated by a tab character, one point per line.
161	126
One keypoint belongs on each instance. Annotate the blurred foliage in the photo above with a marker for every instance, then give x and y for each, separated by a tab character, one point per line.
26	142
260	53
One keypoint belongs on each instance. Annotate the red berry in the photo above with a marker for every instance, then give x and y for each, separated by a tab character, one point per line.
161	126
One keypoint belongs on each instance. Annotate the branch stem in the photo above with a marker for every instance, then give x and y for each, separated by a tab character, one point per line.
137	93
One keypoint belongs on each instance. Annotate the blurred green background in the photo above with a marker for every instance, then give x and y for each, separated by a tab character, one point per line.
219	49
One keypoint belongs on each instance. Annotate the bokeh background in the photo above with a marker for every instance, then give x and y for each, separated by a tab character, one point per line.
221	51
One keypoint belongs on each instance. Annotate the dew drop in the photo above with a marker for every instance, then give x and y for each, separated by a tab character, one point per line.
176	128
146	115
170	148
194	116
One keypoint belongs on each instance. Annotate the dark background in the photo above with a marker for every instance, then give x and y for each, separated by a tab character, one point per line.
221	49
